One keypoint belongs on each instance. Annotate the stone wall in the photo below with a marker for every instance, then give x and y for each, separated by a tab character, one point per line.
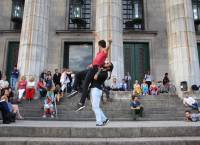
155	34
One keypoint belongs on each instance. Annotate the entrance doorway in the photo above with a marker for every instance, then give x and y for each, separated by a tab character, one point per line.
12	57
136	59
77	56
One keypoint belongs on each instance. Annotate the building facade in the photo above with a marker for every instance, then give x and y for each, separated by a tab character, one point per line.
148	35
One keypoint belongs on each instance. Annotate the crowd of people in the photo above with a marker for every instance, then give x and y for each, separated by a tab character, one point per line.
49	89
90	82
146	87
192	107
52	88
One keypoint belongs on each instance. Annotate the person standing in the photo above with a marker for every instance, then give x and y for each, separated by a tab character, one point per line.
56	78
14	77
128	81
88	74
96	93
166	82
148	79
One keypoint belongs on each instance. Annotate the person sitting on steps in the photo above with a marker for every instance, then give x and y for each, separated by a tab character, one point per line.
193	117
136	107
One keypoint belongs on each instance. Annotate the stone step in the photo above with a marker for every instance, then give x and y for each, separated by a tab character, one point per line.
127	99
109	112
69	115
63	118
116	104
100	141
87	129
162	107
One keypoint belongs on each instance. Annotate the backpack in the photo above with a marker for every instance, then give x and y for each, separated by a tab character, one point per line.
195	88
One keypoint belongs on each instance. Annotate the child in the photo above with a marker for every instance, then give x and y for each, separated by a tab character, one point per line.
144	87
137	89
48	104
153	89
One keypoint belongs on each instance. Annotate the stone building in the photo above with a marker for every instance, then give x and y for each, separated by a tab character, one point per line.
156	35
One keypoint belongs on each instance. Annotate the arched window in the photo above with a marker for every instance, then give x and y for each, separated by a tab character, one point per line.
79	14
133	16
17	13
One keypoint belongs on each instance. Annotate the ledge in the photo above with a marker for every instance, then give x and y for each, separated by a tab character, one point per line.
140	32
73	31
10	31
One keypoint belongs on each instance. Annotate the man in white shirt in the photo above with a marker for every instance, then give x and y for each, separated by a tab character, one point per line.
3	83
191	102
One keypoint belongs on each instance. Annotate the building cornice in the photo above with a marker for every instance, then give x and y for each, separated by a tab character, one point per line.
146	32
73	31
10	31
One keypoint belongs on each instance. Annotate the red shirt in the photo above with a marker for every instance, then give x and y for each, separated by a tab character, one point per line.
100	58
22	84
40	85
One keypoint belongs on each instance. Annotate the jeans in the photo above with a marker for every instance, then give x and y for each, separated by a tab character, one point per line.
137	112
13	83
95	100
4	110
196	106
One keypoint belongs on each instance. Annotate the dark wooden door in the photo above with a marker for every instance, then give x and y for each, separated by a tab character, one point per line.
12	57
136	59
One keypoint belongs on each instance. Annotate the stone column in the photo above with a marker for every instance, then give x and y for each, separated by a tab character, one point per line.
34	38
182	45
109	22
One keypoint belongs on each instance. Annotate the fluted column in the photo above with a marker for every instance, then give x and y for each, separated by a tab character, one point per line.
109	23
182	45
34	37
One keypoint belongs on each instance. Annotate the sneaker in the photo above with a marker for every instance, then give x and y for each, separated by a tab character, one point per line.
44	116
73	92
106	122
52	116
80	107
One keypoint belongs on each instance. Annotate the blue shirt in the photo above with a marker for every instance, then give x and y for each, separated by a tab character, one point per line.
15	74
195	117
135	104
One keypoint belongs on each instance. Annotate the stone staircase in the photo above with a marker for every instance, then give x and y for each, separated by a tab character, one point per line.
68	129
86	133
162	107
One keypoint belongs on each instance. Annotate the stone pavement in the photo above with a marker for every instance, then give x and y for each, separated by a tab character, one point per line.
111	124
